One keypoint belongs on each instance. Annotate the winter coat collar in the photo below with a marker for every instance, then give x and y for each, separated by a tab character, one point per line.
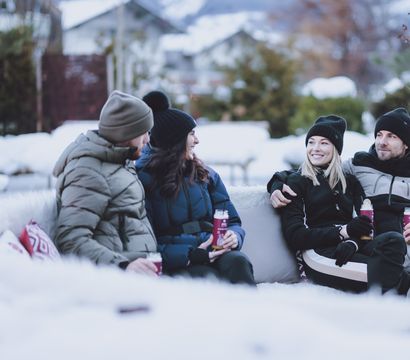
93	145
395	167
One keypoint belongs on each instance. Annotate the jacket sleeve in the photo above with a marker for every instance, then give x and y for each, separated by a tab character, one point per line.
357	192
220	200
277	180
82	204
175	250
297	234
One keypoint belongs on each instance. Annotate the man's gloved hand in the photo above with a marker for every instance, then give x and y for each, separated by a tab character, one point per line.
345	251
199	256
359	226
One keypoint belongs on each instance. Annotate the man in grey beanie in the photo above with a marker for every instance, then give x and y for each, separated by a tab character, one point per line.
100	200
384	173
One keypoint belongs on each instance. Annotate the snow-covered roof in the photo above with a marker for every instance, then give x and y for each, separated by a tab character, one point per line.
322	88
75	12
177	10
208	30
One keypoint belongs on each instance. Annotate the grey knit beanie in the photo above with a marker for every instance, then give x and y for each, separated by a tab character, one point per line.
124	117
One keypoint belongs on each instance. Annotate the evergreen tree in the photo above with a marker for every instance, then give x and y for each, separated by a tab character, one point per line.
262	88
17	82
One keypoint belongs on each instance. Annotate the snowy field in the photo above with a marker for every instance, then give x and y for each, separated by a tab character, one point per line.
231	143
73	310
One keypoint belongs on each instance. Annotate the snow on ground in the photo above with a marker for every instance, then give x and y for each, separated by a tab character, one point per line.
235	143
70	310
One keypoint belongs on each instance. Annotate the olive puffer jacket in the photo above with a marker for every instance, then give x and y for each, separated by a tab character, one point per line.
101	203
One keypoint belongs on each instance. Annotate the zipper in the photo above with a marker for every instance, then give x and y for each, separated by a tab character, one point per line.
123	236
209	211
390	189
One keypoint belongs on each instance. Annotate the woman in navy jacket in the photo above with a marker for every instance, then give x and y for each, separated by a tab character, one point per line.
182	195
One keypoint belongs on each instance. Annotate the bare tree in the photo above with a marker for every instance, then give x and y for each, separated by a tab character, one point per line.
342	37
29	9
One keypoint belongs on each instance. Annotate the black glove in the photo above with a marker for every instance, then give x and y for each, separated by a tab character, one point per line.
345	251
199	256
359	226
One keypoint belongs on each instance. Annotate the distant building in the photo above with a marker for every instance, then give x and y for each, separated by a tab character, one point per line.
142	29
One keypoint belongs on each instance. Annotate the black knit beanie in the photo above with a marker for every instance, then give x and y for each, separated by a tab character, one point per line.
396	121
170	125
331	127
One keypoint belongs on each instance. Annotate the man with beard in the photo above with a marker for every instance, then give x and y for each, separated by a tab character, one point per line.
100	200
384	173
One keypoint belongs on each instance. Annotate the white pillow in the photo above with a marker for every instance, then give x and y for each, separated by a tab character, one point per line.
10	244
38	243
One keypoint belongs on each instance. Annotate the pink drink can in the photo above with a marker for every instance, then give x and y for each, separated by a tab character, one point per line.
221	218
367	210
406	216
156	258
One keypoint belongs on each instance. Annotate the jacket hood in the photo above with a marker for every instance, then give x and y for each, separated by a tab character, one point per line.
93	145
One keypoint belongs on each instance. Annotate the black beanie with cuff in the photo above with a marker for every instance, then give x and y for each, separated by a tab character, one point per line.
331	127
397	122
170	125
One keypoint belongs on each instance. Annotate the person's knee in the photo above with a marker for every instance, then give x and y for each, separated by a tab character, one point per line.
236	268
238	260
390	240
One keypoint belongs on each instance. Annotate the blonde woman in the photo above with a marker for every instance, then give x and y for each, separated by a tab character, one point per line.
320	216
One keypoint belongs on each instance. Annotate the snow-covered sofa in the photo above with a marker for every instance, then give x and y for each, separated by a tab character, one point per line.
264	244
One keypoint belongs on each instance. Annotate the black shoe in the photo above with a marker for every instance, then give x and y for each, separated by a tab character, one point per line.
404	284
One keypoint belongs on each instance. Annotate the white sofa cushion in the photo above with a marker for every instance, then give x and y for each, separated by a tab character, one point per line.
264	244
17	209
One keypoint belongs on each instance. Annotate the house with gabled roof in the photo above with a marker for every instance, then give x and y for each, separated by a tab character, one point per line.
141	28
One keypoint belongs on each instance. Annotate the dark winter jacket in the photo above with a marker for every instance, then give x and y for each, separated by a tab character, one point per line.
100	201
320	208
195	202
386	183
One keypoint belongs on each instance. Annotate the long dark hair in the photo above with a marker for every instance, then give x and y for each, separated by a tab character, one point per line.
169	167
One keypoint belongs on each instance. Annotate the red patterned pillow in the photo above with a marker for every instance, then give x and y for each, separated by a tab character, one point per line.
9	243
38	243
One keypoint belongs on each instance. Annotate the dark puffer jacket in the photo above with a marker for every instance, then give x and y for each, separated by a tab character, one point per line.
196	201
319	208
385	183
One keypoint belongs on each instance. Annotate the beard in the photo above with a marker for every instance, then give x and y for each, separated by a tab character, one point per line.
135	153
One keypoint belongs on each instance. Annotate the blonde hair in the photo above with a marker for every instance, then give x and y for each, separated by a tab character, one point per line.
333	173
